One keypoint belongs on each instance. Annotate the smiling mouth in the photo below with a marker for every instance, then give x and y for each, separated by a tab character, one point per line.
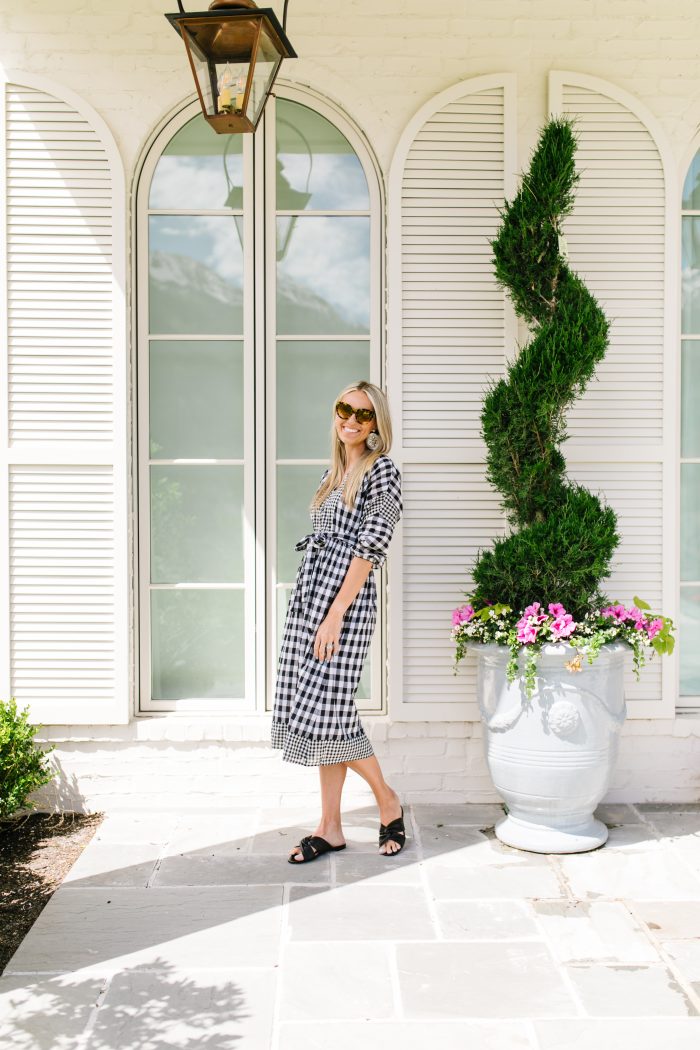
351	430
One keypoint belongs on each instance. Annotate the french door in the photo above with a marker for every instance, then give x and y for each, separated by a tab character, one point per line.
259	297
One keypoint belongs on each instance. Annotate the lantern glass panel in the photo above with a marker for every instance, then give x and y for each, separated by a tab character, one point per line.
204	71
266	65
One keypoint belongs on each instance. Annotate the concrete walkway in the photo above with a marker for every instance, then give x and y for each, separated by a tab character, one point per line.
193	931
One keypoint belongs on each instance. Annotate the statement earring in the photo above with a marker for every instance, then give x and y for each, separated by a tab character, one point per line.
373	440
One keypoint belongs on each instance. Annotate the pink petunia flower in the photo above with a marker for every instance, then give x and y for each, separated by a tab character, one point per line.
535	611
527	632
562	627
654	627
462	615
618	613
557	609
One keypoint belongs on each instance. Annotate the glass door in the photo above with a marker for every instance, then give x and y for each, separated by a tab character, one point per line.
259	299
196	479
323	330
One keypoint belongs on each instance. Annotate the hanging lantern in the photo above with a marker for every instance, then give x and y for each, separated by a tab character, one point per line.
235	51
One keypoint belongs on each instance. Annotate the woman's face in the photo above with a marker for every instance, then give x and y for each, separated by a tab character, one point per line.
351	433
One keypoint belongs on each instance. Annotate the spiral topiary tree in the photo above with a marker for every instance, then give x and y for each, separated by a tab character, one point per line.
561	537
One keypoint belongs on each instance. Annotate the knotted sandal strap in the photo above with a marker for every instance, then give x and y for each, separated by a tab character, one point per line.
313	846
394	831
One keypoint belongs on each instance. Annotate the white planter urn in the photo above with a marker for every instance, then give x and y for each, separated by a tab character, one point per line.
551	758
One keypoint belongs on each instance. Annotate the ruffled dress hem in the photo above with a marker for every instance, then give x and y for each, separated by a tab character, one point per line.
319	751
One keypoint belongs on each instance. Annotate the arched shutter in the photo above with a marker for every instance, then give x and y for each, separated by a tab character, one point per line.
64	403
449	327
622	244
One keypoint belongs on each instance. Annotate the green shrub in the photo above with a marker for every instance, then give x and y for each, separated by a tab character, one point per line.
562	538
23	765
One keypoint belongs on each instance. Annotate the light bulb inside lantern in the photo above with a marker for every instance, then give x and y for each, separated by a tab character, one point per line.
225	83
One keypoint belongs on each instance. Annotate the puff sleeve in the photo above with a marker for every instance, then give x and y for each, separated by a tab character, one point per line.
380	513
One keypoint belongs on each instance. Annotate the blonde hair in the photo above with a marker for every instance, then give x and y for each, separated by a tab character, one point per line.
338	467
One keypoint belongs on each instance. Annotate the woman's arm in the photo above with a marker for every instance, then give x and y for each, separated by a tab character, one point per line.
329	630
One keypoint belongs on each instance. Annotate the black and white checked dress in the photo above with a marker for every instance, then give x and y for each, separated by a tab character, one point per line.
315	720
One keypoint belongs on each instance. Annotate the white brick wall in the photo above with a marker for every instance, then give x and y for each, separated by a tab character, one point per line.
179	763
380	63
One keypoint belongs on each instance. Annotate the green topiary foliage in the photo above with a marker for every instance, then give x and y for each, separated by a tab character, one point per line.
562	538
24	766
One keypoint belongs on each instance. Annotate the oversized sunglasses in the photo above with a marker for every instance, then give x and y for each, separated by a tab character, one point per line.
362	415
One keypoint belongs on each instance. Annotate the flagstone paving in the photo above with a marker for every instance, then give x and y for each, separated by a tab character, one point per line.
185	930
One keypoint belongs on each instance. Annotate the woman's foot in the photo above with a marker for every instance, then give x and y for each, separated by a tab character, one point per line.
332	833
388	811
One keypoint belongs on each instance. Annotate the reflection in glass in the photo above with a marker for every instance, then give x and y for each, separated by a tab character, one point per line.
317	167
196	400
323	281
691	189
688	641
199	169
690	397
296	486
196	274
196	524
197	647
309	378
690	521
691	275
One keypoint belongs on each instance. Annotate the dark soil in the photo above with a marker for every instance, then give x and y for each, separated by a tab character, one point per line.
36	852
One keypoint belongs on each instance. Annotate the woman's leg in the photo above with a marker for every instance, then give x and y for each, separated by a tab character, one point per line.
329	828
387	799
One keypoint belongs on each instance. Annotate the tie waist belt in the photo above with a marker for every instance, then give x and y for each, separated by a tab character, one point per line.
319	540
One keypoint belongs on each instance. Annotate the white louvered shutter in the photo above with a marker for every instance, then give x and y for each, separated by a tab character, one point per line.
449	325
64	403
619	238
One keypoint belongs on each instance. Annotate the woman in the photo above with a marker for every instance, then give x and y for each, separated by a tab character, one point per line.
331	616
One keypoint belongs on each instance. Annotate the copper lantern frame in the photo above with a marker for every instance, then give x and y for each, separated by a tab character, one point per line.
231	32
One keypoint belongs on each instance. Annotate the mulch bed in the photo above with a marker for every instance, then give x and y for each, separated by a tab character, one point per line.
36	852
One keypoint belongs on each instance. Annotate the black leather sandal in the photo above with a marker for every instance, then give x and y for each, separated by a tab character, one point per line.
313	846
394	831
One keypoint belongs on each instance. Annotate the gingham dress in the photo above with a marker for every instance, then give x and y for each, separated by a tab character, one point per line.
315	720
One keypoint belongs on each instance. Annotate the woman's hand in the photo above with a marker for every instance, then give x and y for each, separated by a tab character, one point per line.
327	641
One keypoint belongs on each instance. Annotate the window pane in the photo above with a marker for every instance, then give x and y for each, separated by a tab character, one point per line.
196	400
316	165
196	524
689	639
691	275
690	521
199	169
690	397
323	276
296	486
691	190
197	644
309	378
196	274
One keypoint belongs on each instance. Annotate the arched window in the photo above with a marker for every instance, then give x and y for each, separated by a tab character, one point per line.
259	282
690	442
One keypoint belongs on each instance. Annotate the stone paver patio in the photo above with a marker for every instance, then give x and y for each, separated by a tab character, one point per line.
193	931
